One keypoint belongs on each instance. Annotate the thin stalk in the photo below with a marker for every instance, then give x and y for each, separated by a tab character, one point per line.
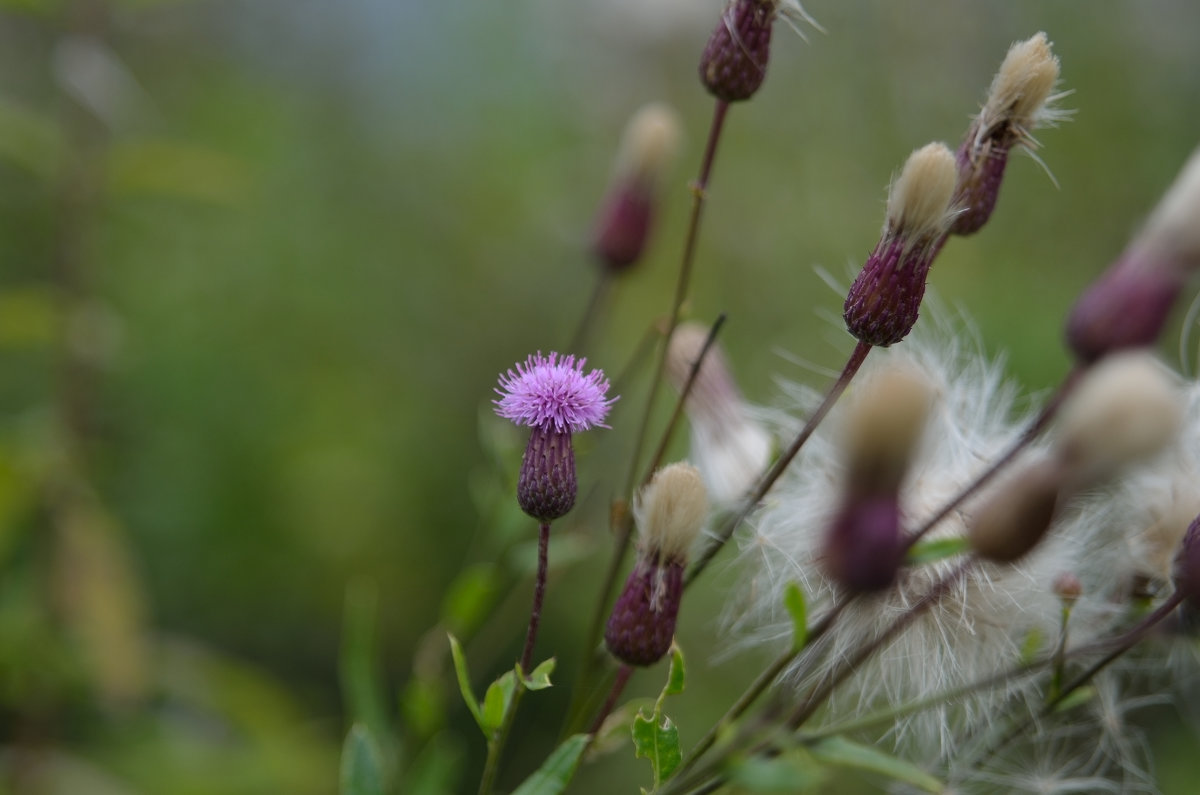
496	745
591	313
759	685
857	357
1028	435
623	674
539	594
624	526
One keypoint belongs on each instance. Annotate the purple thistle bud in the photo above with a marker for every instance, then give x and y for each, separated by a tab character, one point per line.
642	624
734	62
554	398
624	226
884	301
1126	308
1187	565
863	548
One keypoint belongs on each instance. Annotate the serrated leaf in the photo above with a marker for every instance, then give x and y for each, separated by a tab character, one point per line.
540	678
557	771
792	772
677	674
1076	698
362	765
464	681
658	742
937	549
840	752
793	600
495	702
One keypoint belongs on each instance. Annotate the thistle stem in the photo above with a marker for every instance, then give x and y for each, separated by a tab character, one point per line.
623	674
497	742
1028	435
591	314
539	593
857	357
624	525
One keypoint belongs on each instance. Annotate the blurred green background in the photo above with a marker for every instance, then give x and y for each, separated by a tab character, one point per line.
261	261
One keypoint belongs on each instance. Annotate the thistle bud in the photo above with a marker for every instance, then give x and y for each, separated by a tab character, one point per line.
647	150
669	514
1126	408
1128	305
1017	514
734	62
864	547
1187	565
1068	588
1018	101
730	449
885	299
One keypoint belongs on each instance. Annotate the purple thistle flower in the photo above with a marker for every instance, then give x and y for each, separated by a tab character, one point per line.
555	399
554	395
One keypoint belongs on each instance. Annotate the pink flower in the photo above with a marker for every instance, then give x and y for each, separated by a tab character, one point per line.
550	394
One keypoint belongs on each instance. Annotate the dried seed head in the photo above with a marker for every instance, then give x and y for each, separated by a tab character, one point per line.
885	299
730	449
883	426
1128	305
648	148
734	62
670	512
1127	407
1019	100
1013	517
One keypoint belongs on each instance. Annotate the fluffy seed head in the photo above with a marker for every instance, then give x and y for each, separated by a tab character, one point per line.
1015	516
1127	407
1022	88
729	447
883	425
546	392
1174	226
919	201
670	512
649	145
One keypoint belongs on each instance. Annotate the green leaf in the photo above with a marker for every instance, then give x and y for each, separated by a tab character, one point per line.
937	549
793	600
841	752
677	674
464	681
556	772
362	766
658	742
540	678
469	598
495	702
794	771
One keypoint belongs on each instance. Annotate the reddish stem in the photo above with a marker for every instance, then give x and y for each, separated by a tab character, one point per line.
539	593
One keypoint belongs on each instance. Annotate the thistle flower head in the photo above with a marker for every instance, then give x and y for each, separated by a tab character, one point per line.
734	62
1128	305
1020	99
554	394
885	299
1127	407
669	513
648	148
729	446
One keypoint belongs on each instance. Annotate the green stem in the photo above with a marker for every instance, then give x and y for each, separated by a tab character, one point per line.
496	745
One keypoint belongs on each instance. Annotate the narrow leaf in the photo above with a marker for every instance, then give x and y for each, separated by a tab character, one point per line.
556	772
793	600
464	681
495	702
677	675
937	549
658	742
841	752
540	678
362	768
